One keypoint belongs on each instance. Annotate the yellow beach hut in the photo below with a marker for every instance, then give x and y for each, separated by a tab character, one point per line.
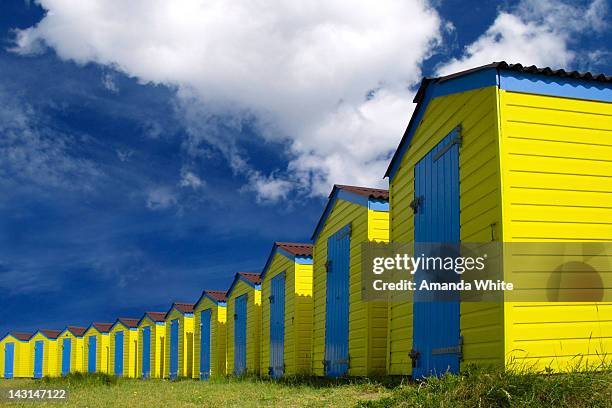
513	154
124	347
179	341
244	324
151	336
286	285
97	348
209	346
15	358
350	334
70	350
43	349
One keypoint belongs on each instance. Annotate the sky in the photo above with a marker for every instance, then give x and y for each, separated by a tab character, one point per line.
151	149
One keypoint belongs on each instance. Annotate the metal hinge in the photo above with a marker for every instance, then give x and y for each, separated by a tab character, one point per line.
328	266
235	316
271	298
416	203
458	349
414	356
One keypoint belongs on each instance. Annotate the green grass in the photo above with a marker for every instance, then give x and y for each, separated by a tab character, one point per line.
475	387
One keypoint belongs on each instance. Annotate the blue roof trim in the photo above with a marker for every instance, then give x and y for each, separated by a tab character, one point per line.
376	204
240	277
15	338
113	326
336	195
555	86
45	336
206	295
303	260
476	80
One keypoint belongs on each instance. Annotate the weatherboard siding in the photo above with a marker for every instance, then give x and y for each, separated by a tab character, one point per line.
23	363
218	343
77	351
298	315
156	350
557	186
367	320
102	350
50	348
480	216
130	351
253	327
185	344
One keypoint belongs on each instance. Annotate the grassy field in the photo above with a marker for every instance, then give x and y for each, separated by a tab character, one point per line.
473	388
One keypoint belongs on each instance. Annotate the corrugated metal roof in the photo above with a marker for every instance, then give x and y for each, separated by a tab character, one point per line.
252	277
501	65
128	322
52	334
22	335
364	191
295	248
218	295
102	327
156	316
77	331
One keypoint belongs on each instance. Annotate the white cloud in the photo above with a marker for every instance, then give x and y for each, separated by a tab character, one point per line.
301	72
161	198
190	179
108	82
535	33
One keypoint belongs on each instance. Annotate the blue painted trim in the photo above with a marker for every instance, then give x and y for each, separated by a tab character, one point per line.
303	260
160	323
375	204
555	86
15	338
240	277
206	295
223	304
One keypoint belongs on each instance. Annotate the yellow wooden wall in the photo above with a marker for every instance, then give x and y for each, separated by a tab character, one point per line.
185	346
76	352
158	333
102	350
50	347
130	351
23	363
367	320
253	329
218	342
298	315
557	186
480	218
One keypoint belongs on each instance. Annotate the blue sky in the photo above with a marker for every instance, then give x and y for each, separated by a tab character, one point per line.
150	152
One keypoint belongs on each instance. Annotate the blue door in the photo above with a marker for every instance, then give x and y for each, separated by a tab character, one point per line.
174	348
337	303
436	338
205	344
39	349
9	359
66	351
92	354
240	320
277	326
146	352
119	353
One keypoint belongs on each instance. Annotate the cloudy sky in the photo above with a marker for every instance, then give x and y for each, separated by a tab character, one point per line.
150	149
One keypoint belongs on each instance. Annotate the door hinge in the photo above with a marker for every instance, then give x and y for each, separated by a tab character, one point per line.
458	349
271	298
328	266
414	356
235	316
415	204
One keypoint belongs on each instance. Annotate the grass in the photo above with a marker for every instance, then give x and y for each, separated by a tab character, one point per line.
475	387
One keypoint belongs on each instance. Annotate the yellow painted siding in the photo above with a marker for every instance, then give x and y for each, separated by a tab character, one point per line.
158	333
50	368
22	362
480	219
557	186
130	350
298	315
185	345
367	320
253	330
218	322
102	350
77	352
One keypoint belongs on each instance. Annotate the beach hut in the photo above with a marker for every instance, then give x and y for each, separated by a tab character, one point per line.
43	349
151	335
97	348
350	334
15	358
210	335
124	347
179	341
70	352
286	285
244	324
503	153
